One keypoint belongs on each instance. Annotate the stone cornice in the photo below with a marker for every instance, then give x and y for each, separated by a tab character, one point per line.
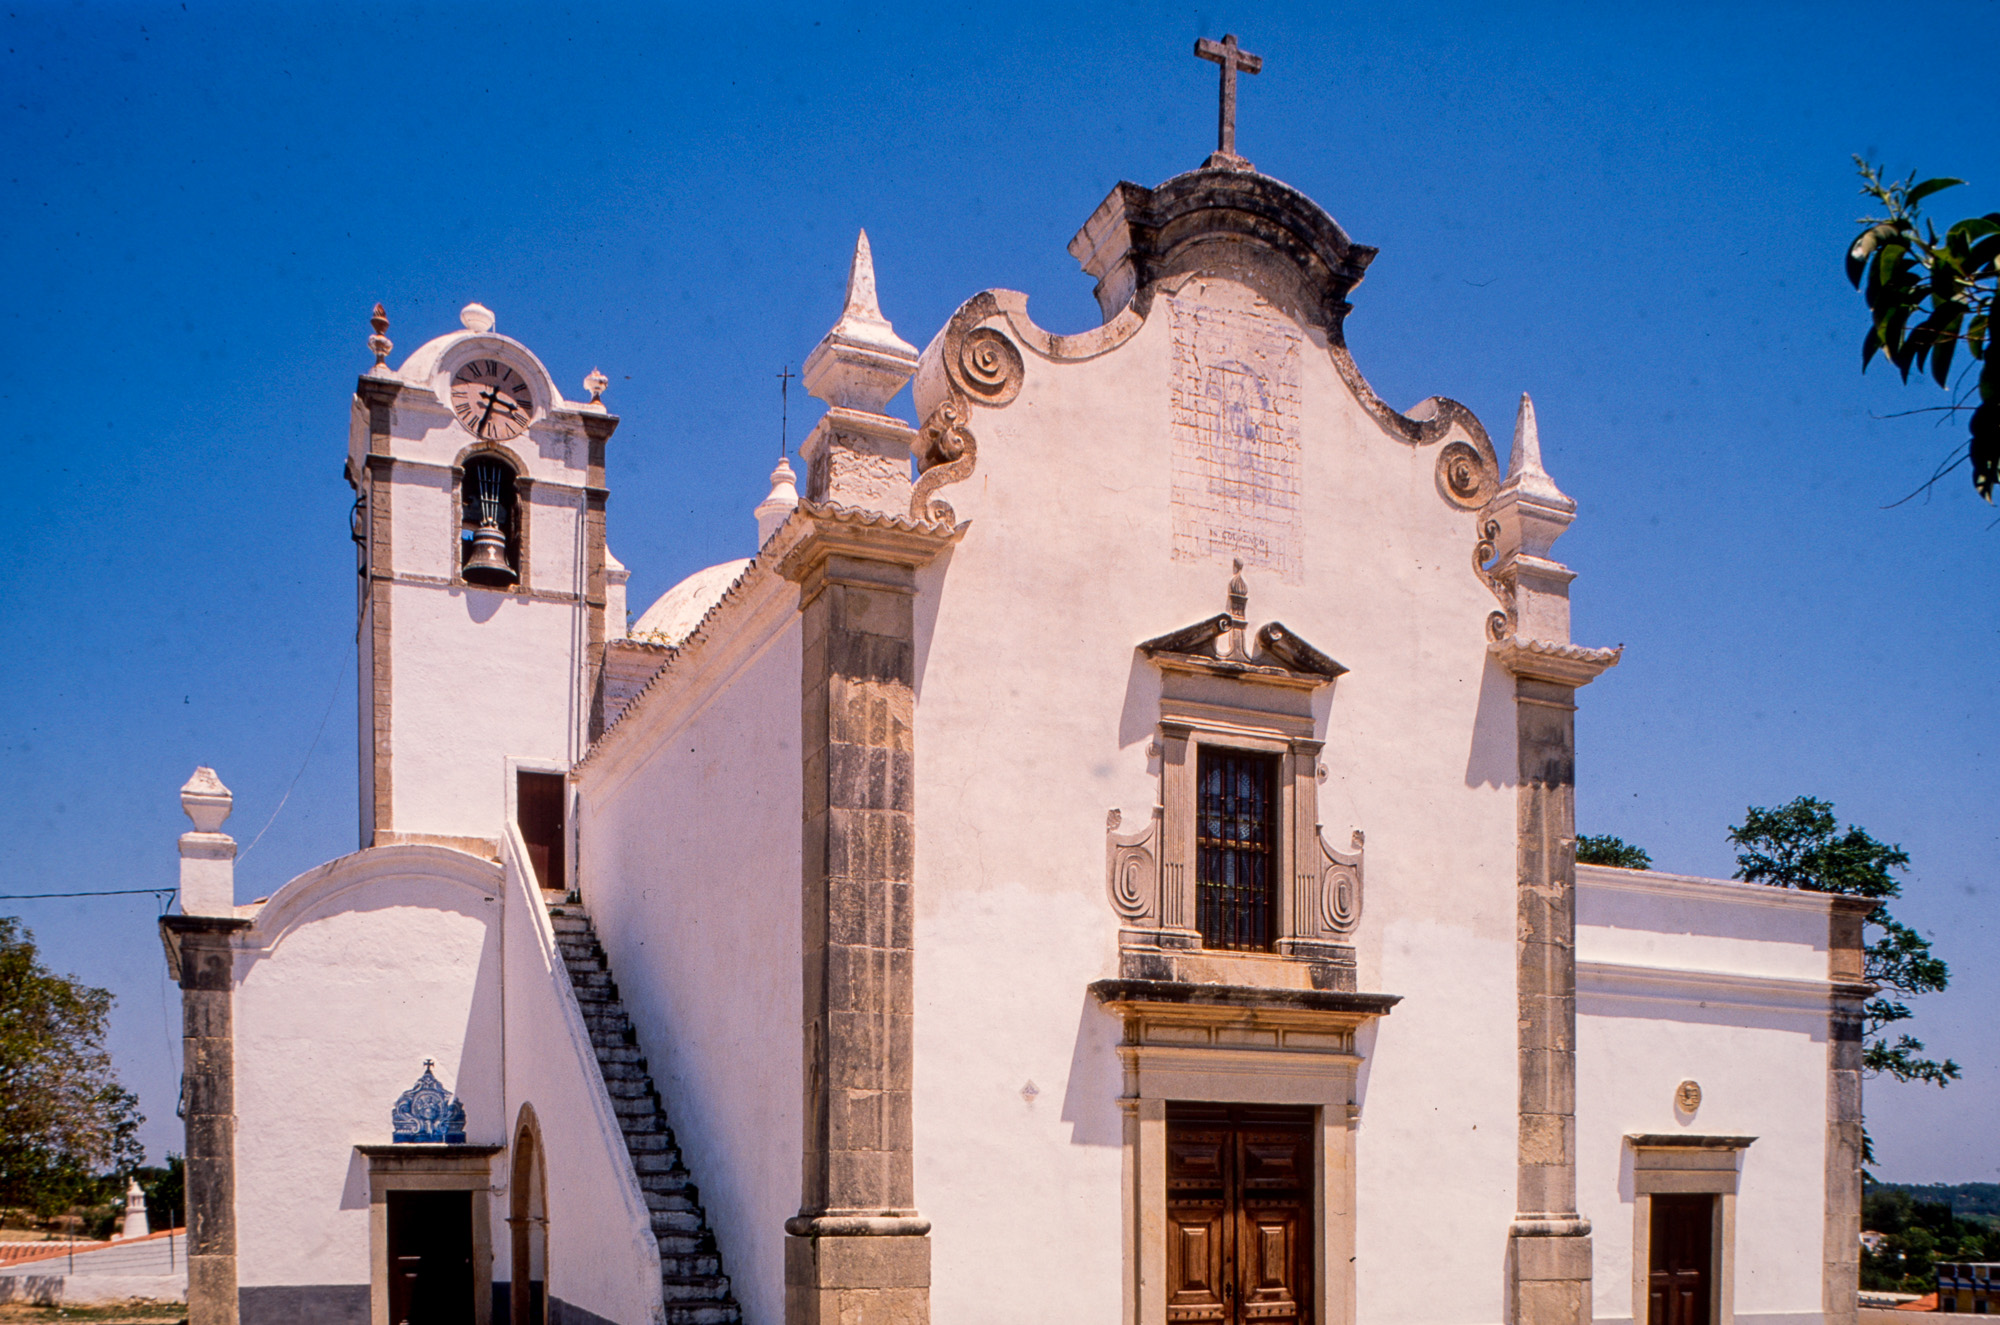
1559	664
1235	1001
1686	1141
1678	985
826	531
1732	892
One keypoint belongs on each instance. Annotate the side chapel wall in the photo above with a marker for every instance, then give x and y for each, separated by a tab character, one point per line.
1725	985
689	841
353	975
1093	526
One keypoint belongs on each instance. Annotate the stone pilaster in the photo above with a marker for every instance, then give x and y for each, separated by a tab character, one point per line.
202	959
374	487
1841	1284
858	1252
597	590
1550	1251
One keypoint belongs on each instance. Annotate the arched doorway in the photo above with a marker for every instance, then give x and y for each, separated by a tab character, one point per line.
528	1223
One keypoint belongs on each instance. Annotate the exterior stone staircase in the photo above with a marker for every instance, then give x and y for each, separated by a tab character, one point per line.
692	1285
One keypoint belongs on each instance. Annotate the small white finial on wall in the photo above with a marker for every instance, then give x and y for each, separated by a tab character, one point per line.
778	505
208	855
476	317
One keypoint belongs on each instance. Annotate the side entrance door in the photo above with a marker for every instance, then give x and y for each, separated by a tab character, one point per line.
1239	1214
1681	1271
430	1258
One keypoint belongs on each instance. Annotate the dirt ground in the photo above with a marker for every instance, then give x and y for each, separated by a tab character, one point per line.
129	1313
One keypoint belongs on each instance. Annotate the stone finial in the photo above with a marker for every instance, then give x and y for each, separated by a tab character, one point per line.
777	506
476	317
208	855
594	382
861	362
206	801
135	1225
379	344
1527	515
1524	469
1532	510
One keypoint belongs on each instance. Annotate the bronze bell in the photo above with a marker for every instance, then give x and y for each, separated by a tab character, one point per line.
488	563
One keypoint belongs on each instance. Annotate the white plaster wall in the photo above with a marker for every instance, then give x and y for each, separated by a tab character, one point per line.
477	677
1743	1012
1034	718
1649	918
691	870
353	975
601	1252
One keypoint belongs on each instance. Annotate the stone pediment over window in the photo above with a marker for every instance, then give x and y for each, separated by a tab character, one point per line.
1231	881
1222	646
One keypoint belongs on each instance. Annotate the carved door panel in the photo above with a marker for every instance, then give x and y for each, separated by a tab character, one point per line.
1681	1232
1239	1215
1197	1219
1274	1252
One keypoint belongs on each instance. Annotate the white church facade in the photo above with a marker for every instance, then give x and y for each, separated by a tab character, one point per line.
1105	855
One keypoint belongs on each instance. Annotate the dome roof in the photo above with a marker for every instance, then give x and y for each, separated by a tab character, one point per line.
681	608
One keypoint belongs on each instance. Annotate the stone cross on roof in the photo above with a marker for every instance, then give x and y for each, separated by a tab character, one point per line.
1227	54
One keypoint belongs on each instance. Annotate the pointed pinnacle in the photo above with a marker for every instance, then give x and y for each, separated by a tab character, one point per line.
1527	456
1524	467
861	300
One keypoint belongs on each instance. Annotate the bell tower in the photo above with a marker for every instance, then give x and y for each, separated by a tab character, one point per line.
479	523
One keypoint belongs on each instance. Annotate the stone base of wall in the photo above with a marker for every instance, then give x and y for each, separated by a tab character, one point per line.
857	1281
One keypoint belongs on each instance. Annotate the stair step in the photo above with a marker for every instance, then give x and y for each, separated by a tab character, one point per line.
677	1221
695	1288
685	1244
659	1142
684	1313
702	1264
669	1201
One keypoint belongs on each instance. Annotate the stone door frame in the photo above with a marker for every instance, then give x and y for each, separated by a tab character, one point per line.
409	1166
1228	1045
1689	1163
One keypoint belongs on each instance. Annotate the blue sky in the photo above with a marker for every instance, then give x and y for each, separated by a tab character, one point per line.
1635	213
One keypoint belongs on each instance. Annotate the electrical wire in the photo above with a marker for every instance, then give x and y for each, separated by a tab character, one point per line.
101	892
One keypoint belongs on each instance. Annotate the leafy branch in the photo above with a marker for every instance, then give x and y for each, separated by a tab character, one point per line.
1800	845
1929	296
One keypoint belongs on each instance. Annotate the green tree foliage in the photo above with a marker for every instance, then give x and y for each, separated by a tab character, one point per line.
1916	1233
1608	850
1928	296
1800	845
166	1193
64	1119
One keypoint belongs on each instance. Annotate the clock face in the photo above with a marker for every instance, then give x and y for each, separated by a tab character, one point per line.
491	400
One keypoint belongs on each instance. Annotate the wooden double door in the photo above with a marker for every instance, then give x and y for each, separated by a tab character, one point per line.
1239	1214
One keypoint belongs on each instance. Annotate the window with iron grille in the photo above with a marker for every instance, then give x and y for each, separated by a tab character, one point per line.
1236	848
